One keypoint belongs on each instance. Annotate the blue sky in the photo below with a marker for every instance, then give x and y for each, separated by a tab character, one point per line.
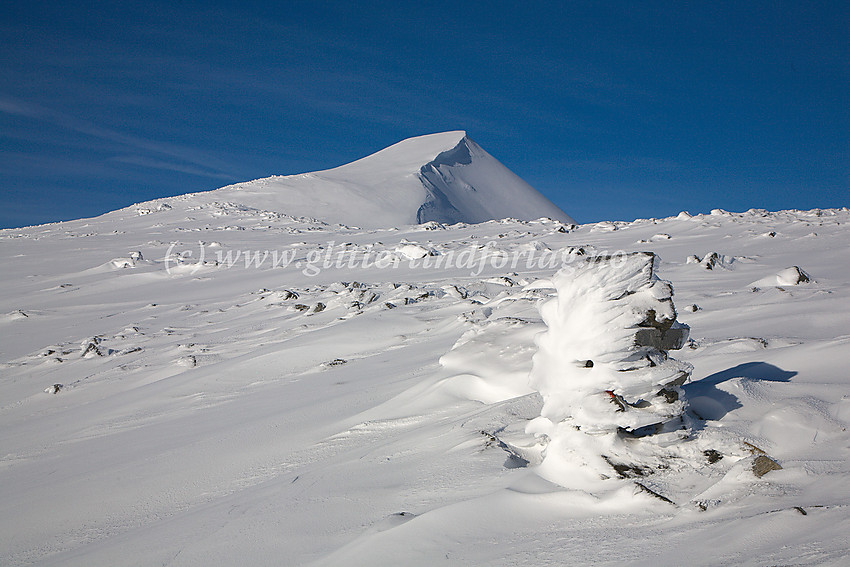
614	110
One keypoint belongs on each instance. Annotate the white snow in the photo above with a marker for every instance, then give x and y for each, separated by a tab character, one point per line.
413	251
300	393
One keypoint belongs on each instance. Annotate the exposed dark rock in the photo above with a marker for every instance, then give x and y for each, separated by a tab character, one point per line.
710	260
672	338
651	492
648	337
763	465
669	395
675	337
130	350
617	400
628	471
91	349
678	381
712	455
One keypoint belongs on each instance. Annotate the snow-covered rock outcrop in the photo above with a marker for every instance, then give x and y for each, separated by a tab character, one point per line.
603	370
443	177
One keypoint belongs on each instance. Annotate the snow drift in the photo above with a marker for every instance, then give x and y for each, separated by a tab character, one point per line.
443	177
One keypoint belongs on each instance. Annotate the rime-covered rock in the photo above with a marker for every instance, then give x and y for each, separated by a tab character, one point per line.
602	366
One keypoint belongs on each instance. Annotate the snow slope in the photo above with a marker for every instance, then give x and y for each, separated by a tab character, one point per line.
442	177
240	386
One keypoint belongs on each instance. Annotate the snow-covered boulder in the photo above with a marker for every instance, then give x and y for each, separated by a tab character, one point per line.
129	261
787	277
710	261
410	251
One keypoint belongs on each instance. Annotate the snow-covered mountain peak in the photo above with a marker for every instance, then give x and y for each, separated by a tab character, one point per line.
444	177
407	155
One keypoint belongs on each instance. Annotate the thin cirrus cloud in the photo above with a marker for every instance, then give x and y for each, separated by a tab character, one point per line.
185	160
153	163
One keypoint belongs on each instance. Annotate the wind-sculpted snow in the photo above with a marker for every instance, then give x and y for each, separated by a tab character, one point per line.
594	352
613	403
365	399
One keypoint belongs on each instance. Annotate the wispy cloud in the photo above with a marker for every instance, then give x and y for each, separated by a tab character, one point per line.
184	159
17	108
170	166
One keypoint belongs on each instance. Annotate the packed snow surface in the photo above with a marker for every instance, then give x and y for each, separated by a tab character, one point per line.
204	380
443	177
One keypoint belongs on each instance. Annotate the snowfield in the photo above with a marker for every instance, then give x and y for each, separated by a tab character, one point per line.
202	380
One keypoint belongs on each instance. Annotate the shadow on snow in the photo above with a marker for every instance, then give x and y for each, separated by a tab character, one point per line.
708	402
